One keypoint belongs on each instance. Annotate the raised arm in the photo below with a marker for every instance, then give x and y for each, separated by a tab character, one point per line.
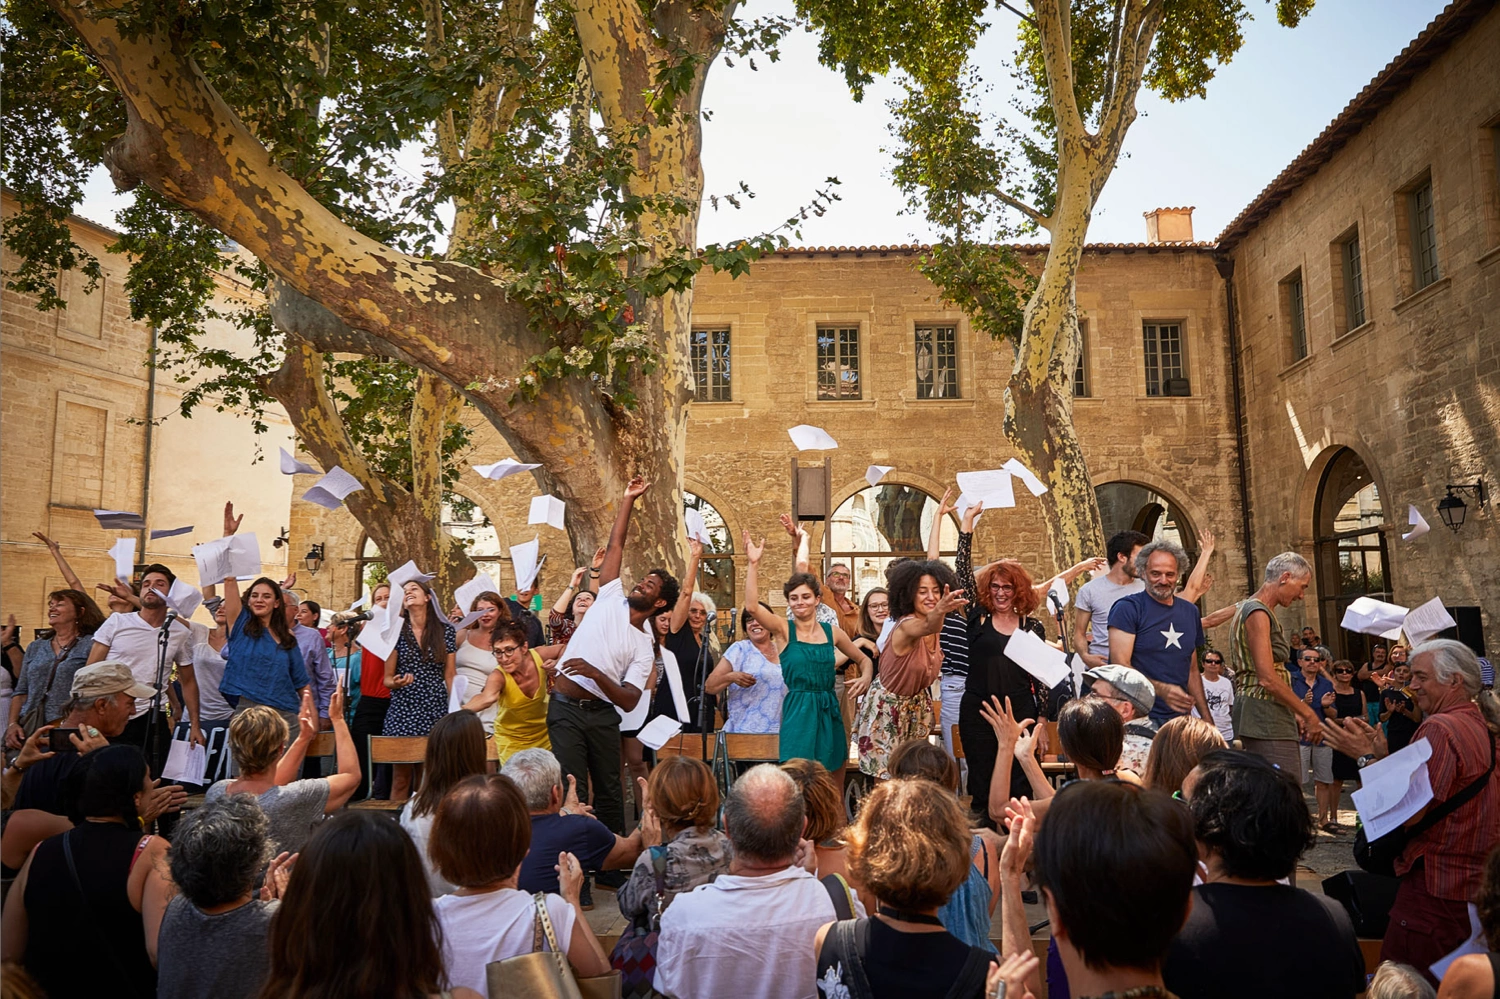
566	596
1071	573
913	629
774	623
963	566
935	536
614	552
232	603
342	784
62	563
801	560
307	727
1199	580
685	595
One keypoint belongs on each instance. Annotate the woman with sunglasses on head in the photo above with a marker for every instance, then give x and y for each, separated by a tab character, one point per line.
1346	701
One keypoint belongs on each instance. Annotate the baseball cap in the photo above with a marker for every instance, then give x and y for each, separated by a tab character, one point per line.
1131	683
107	679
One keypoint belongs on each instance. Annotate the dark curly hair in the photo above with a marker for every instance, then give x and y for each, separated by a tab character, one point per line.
1251	814
670	588
904	579
806	579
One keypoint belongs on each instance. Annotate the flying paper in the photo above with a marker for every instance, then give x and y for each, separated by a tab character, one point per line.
1374	617
1020	471
992	487
237	556
659	731
172	532
469	619
119	520
696	529
1423	622
329	491
291	466
875	473
373	637
1394	789
465	595
811	438
1418	524
1036	657
123	552
183	598
358	603
406	574
547	510
502	468
524	562
1057	595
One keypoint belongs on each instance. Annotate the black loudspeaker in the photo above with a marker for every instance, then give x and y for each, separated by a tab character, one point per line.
1470	628
1367	897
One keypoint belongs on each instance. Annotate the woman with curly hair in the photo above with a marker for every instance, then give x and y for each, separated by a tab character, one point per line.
899	704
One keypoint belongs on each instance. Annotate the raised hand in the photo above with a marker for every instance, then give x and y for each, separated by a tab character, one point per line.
754	551
1007	729
571	804
944	507
636	488
951	600
790	525
1017	849
695	549
307	717
1026	747
1206	542
578	574
598	558
53	546
335	703
160	800
966	524
277	876
569	877
1012	972
231	522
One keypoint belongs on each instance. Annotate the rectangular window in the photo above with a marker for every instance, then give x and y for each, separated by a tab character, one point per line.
708	353
1354	283
1165	372
1422	232
838	362
937	362
1296	315
1081	373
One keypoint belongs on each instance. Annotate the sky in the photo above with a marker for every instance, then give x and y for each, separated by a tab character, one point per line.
785	128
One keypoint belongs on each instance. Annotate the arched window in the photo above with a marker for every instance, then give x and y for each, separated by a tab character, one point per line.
716	573
875	526
467	524
370	568
1125	506
1351	558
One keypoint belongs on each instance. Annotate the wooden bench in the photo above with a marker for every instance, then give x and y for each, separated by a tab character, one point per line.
403	750
738	746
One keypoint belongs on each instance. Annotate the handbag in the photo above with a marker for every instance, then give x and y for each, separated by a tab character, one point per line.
634	956
35	714
1379	856
546	974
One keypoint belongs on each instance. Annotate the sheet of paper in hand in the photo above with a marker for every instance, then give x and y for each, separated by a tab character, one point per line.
1036	657
186	763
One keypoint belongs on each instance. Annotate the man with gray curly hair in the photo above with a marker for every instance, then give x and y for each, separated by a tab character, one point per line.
212	942
1159	634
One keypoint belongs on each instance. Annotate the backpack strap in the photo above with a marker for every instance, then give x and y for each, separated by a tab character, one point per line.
847	935
1446	808
840	895
972	976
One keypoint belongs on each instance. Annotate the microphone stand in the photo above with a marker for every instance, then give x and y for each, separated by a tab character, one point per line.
153	717
700	678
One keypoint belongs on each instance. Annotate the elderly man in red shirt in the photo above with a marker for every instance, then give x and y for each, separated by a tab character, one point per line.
1441	869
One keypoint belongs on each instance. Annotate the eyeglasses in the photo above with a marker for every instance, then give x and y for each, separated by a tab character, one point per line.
1002	586
1213	662
503	652
1104	697
1314	659
1343	672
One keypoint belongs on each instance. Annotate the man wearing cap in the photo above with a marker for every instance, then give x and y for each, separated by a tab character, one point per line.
132	639
1131	694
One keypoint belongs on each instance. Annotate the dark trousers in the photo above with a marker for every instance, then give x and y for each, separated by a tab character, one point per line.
586	741
369	719
1423	928
980	750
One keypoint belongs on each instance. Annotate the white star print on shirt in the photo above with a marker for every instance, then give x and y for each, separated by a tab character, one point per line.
1172	635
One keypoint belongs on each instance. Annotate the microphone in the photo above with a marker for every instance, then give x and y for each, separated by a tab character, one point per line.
171	616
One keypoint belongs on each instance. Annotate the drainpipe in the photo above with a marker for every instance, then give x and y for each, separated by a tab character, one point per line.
150	432
1225	267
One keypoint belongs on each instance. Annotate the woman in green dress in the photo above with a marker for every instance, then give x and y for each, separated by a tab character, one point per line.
811	726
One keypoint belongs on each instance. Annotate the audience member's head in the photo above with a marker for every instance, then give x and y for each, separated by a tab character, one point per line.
481	831
1445	672
910	845
920	758
358	884
219	850
539	776
1116	864
764	816
1249	816
1005	582
683	794
873	611
109	783
257	737
821	798
103	695
1399	981
1126	690
1179	746
1092	735
455	750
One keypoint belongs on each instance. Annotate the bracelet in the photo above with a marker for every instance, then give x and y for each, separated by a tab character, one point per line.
593	572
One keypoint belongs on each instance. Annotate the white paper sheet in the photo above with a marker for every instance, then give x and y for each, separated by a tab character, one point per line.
1426	620
459	693
1036	657
547	510
1394	789
482	583
186	763
123	552
992	487
171	532
373	638
696	529
469	619
1058	591
329	491
183	598
875	473
405	574
659	731
1020	471
119	520
523	561
237	556
502	468
358	603
1476	944
1418	524
810	438
961	507
1374	617
291	466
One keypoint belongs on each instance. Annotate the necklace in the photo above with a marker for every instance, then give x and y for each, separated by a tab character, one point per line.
910	917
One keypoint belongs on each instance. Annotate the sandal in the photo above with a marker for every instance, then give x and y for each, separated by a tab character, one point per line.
1332	827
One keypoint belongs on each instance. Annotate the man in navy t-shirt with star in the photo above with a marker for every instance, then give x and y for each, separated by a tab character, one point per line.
1158	633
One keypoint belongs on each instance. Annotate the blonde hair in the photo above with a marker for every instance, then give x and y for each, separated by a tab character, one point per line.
910	844
257	737
820	794
683	793
1176	749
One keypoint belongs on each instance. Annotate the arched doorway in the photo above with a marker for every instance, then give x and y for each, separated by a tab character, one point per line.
1125	506
1350	552
716	572
880	524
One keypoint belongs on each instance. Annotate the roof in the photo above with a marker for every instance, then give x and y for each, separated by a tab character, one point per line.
908	249
1454	20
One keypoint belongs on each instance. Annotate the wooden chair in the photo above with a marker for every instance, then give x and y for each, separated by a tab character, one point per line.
399	749
738	746
958	744
322	745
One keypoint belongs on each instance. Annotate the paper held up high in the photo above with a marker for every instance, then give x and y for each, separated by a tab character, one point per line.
171	532
329	491
183	597
1035	485
1036	657
482	583
291	466
875	473
373	637
1394	789
992	487
237	556
1426	620
406	574
547	510
503	468
697	530
1057	595
523	560
1368	616
119	520
123	552
809	438
186	763
659	731
1418	524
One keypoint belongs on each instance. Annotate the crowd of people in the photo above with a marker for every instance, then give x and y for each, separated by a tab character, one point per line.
1153	804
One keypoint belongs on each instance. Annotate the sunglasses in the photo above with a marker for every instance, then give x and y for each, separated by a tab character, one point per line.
1213	662
1314	659
1343	672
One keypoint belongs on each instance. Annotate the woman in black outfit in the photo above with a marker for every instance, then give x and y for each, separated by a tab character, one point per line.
1000	600
1348	701
93	890
688	633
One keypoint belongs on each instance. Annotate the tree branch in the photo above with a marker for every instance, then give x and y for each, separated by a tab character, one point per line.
1057	57
1136	36
1042	220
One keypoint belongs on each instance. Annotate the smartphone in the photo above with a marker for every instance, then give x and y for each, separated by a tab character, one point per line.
58	742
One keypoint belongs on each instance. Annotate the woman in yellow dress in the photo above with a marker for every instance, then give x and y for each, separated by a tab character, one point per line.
518	689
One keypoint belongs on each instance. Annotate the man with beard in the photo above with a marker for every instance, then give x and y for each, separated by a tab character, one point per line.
1159	634
609	659
132	639
1095	598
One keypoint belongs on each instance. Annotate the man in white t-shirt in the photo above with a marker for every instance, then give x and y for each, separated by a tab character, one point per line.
133	639
1218	691
1097	596
604	671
